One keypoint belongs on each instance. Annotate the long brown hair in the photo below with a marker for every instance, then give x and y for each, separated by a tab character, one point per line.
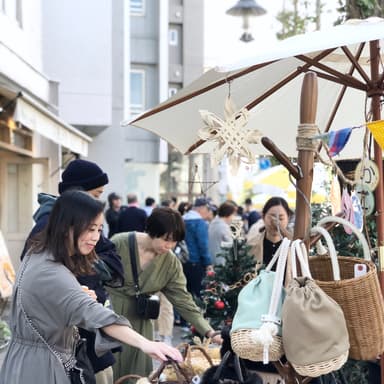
72	214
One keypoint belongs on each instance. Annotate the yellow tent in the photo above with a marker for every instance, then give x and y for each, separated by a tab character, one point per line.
275	181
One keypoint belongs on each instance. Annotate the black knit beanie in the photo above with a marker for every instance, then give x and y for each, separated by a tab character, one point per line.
84	174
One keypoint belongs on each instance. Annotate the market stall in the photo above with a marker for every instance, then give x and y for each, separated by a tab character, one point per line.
343	80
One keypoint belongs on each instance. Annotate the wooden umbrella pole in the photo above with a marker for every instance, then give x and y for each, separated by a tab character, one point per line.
308	109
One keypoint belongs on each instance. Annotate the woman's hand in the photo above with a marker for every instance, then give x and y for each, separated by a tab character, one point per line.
158	351
90	292
161	351
215	336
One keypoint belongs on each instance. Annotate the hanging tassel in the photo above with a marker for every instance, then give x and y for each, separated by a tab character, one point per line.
320	249
264	336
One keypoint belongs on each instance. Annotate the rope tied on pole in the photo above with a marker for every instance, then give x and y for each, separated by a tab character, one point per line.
304	139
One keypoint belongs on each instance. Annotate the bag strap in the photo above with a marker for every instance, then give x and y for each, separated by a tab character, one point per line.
275	257
331	250
69	364
281	254
358	234
132	253
222	364
299	251
271	321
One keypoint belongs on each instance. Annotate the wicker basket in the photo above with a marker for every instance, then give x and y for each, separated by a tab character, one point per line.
361	301
359	297
196	361
241	341
318	369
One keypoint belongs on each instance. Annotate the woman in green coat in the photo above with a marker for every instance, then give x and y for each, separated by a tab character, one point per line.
158	270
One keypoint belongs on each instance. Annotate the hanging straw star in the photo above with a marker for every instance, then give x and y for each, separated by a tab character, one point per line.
231	135
237	228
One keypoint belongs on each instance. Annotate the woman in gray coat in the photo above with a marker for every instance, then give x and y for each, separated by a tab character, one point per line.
48	302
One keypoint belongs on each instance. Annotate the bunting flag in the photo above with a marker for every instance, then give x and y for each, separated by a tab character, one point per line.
337	140
377	130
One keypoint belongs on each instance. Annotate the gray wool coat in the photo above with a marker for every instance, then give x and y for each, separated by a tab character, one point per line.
54	302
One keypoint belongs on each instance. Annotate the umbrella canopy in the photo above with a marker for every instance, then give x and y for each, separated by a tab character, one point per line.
268	84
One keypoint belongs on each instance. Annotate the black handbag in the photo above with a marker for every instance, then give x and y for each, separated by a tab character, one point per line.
147	306
78	368
230	371
82	372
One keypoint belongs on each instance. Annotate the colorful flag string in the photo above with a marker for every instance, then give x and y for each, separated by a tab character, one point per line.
337	140
377	130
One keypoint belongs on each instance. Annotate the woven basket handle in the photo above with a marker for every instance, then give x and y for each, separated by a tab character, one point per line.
182	377
124	378
358	234
185	350
331	250
203	351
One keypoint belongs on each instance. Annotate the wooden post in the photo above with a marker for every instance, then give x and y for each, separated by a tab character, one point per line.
308	109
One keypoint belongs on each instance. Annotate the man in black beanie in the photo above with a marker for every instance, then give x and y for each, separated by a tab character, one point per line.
85	175
88	176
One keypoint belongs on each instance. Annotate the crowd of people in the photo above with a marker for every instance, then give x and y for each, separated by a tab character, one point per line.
74	278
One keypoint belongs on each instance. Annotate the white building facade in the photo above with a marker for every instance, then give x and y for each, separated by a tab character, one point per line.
34	140
116	59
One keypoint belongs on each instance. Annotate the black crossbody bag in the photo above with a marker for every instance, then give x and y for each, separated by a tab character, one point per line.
147	306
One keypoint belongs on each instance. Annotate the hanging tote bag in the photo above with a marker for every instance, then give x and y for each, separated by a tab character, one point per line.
315	334
256	326
359	296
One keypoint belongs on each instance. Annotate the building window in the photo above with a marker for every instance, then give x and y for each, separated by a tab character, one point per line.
172	91
173	37
137	7
137	88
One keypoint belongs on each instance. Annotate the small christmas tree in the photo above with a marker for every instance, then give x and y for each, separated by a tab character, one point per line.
222	286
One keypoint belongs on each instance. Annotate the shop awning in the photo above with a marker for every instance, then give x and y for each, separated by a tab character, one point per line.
39	119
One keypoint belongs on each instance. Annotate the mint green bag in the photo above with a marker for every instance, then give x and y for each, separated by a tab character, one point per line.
256	327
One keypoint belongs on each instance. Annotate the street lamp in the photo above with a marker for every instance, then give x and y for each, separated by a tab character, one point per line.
245	9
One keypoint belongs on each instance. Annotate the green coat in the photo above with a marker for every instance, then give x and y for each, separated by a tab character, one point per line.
164	273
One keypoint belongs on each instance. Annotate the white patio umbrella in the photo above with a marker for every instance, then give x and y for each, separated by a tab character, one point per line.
268	83
348	63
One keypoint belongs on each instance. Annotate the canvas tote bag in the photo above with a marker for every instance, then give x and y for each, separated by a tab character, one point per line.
315	334
256	327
